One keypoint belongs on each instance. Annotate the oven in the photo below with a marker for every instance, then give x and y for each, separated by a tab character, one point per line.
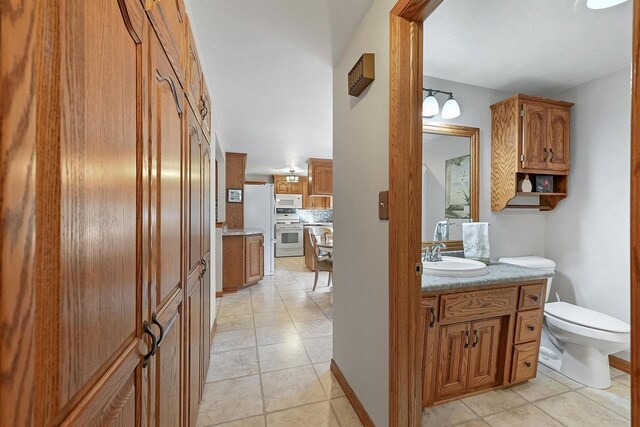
289	240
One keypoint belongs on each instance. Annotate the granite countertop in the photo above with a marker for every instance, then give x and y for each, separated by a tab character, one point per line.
498	273
317	224
242	231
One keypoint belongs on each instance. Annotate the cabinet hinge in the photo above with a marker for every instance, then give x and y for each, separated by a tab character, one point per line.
522	113
419	269
522	157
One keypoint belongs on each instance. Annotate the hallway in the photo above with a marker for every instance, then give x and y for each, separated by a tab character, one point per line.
271	366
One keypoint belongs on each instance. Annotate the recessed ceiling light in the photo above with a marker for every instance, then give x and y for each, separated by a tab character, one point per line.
603	4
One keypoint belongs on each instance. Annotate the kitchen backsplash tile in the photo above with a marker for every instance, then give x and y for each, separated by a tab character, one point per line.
315	215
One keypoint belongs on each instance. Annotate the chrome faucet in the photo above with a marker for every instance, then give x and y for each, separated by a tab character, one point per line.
432	254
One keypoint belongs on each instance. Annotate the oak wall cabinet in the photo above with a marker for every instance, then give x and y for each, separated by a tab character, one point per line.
242	260
320	175
283	187
480	339
529	136
113	322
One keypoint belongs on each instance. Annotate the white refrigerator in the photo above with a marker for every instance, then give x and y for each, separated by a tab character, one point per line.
260	212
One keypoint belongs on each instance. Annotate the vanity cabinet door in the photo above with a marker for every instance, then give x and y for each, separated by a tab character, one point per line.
430	348
483	354
558	139
452	359
535	152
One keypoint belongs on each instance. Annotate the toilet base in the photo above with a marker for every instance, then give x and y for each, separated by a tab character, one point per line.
586	365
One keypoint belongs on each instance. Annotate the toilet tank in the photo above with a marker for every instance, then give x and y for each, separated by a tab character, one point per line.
533	262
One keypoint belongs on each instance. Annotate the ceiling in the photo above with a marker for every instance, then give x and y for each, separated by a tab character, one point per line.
539	47
269	68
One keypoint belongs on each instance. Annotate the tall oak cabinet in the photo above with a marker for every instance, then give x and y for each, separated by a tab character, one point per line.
109	321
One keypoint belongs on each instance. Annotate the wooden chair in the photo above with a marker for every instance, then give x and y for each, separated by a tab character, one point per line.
323	261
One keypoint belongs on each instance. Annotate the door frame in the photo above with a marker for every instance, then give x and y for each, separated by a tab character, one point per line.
405	160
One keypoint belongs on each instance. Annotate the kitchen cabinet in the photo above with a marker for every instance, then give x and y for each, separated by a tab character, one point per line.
316	202
194	76
529	136
120	290
283	187
242	259
479	339
320	175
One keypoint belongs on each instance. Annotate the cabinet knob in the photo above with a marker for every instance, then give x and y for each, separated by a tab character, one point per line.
433	317
532	328
527	364
534	297
467	339
154	343
154	320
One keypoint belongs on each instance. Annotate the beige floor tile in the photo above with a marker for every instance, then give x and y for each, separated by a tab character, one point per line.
233	323
271	318
281	356
230	400
234	309
345	413
624	379
247	422
306	314
322	299
319	349
328	312
555	375
574	409
328	380
493	401
314	415
617	398
299	302
539	388
446	414
288	286
233	340
291	387
276	334
616	372
268	306
315	328
524	416
233	364
475	423
237	297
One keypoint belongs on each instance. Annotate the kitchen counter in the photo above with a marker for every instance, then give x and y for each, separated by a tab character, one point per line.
318	224
499	273
242	232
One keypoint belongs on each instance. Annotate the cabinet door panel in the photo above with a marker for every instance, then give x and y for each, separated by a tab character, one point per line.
452	359
483	355
254	264
558	137
430	348
206	321
193	85
90	349
194	209
168	19
534	136
194	350
206	198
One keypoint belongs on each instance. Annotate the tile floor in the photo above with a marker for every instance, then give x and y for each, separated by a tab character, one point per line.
271	353
270	367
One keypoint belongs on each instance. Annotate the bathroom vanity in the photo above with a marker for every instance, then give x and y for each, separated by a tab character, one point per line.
480	332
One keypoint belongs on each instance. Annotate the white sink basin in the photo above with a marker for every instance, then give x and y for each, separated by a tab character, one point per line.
454	267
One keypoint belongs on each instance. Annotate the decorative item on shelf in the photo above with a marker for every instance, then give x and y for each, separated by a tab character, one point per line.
525	185
544	184
430	106
291	177
234	195
362	74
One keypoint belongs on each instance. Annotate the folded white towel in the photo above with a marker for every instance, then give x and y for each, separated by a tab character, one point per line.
475	238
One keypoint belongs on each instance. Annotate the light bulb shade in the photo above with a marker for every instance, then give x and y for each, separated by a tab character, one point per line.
603	4
292	178
450	109
430	106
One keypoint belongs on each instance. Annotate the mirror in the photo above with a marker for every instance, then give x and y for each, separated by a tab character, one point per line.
450	187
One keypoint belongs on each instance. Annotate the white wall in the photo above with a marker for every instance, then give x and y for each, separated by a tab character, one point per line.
361	170
512	233
588	233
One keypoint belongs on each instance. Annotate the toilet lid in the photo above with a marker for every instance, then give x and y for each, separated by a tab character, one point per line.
585	317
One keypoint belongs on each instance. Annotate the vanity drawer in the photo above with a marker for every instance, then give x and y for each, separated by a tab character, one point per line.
476	304
531	296
528	326
525	362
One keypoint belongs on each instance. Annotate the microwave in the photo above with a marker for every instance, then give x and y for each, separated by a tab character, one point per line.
288	201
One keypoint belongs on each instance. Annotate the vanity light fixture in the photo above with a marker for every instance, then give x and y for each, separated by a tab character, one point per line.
291	177
603	4
430	106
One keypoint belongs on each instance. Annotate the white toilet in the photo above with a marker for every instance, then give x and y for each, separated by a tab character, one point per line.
577	341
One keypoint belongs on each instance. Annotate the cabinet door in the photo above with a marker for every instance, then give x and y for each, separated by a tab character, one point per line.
206	256
534	136
90	344
430	348
558	139
194	193
452	359
320	177
194	350
281	186
483	355
254	263
205	109
193	84
167	230
168	19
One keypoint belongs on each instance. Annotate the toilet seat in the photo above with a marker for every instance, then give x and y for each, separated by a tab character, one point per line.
585	318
